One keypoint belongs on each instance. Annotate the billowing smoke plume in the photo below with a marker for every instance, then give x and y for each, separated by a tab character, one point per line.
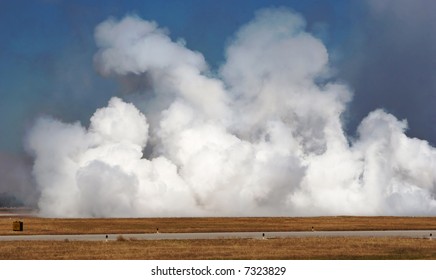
263	136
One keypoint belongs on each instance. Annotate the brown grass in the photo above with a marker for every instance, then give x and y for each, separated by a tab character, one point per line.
289	248
36	225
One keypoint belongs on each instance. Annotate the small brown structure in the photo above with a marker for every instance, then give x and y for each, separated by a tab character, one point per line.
17	226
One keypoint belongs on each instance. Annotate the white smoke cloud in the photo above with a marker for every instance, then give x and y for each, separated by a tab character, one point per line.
262	137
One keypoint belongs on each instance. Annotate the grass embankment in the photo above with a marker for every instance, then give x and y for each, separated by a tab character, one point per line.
290	248
36	225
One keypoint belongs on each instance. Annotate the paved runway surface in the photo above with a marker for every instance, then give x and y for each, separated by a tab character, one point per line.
224	235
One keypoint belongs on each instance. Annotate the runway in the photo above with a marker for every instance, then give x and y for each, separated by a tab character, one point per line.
221	235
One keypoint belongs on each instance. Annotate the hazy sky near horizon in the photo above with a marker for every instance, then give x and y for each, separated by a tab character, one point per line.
384	50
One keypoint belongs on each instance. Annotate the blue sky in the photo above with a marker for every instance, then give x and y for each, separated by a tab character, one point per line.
47	46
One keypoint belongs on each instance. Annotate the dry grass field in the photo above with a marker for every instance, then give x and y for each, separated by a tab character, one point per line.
289	248
37	225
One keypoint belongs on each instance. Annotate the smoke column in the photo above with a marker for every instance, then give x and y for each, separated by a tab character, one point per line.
261	137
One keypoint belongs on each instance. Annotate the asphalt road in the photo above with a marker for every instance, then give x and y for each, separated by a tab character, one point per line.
224	235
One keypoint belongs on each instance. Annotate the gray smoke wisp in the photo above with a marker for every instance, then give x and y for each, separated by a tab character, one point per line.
16	185
263	136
